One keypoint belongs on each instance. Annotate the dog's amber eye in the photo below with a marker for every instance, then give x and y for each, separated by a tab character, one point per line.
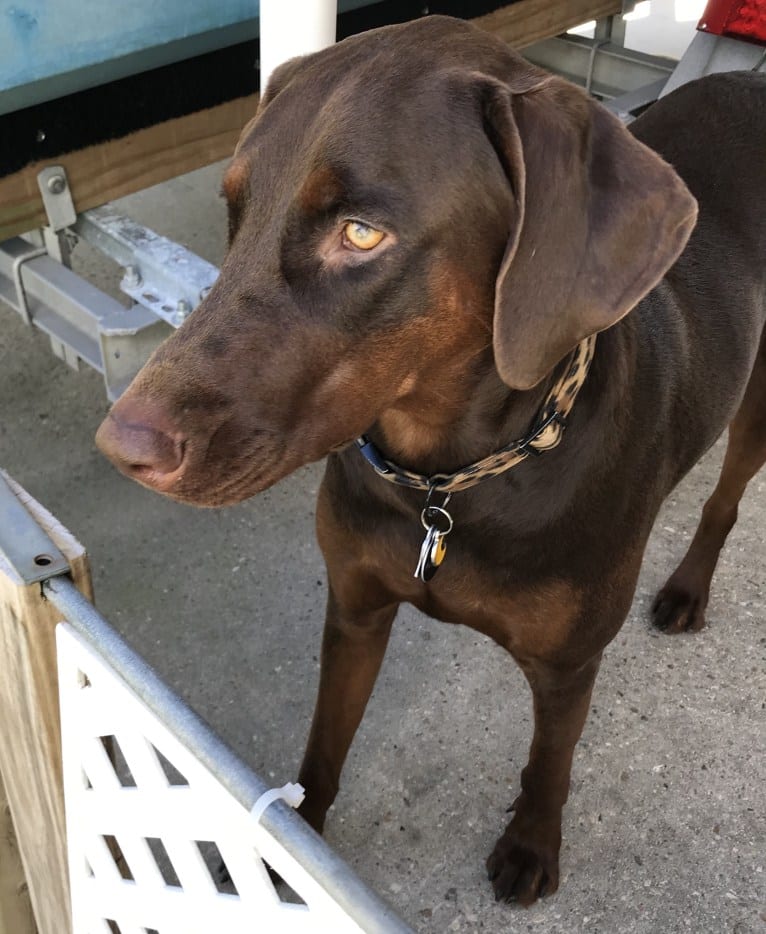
362	236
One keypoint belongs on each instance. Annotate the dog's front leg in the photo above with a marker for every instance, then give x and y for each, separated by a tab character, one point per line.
353	647
525	861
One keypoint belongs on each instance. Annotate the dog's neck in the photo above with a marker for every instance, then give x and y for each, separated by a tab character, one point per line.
452	420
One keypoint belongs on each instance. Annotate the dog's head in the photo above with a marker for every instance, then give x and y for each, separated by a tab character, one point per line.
403	206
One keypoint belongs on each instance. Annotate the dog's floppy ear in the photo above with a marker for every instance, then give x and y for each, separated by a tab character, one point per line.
600	220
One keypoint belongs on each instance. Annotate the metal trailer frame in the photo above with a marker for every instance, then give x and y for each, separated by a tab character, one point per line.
625	80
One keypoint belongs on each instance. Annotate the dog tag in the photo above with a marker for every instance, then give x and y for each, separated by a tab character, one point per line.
431	544
438	524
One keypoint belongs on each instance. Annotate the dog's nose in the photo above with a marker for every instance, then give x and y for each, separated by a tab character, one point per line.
140	446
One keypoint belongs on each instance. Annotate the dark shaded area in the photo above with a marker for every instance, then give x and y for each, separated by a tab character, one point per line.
121	107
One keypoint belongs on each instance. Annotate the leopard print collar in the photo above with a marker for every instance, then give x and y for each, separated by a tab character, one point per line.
544	436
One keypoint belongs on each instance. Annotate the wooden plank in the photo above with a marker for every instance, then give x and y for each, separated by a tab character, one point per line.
529	21
119	167
15	907
30	734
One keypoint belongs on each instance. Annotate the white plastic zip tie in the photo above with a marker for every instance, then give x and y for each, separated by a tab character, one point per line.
292	793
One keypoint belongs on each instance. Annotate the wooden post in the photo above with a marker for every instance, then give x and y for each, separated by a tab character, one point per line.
15	908
30	733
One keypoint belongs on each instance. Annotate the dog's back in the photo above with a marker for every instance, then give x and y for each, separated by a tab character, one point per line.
706	319
713	132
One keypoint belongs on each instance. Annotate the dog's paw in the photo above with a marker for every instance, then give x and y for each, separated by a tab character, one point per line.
680	607
523	870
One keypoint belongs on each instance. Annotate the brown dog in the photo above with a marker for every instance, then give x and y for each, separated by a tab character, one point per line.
424	228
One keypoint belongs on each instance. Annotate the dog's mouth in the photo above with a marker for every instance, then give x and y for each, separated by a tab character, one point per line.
230	492
205	486
221	468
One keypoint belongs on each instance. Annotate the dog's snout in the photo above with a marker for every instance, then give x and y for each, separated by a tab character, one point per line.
141	447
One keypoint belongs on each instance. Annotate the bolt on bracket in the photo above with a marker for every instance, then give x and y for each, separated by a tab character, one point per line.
57	197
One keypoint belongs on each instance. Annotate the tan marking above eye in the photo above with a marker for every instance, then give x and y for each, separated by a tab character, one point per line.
236	178
362	236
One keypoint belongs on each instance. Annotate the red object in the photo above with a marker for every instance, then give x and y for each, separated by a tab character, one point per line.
742	19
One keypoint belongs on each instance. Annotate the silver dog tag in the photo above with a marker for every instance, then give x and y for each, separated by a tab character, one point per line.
438	524
431	547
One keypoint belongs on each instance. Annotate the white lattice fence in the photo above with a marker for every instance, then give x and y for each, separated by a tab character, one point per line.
171	819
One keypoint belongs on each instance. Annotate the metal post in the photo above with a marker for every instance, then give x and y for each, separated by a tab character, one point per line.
292	27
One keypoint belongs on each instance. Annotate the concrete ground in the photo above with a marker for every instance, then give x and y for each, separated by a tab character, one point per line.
665	830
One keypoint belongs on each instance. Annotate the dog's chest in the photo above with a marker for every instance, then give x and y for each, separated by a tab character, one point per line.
525	617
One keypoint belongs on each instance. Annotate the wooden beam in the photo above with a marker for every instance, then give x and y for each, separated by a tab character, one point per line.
529	21
30	732
16	915
119	167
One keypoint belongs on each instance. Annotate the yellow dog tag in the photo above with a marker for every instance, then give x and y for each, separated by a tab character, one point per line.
438	524
438	550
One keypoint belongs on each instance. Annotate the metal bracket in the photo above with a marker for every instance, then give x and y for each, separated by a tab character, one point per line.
82	322
21	295
164	279
57	197
23	544
163	276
